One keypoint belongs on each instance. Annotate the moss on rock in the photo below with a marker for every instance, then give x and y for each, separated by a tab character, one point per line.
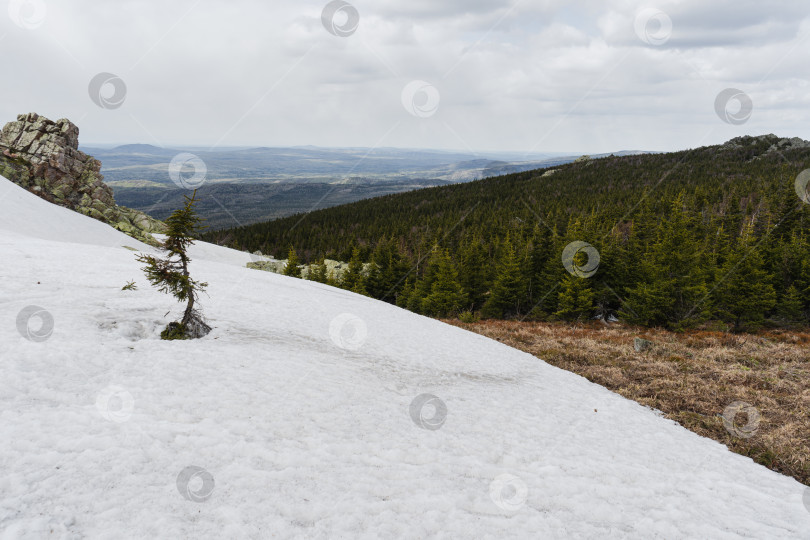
44	157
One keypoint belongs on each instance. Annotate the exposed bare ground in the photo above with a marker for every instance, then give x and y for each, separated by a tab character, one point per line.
692	378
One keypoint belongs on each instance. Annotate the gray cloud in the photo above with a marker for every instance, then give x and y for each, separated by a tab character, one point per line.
541	75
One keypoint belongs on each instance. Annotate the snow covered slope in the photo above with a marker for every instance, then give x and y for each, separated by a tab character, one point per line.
35	217
300	416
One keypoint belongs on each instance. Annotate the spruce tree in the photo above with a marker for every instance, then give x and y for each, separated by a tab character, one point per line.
790	309
386	272
446	297
803	282
575	299
744	294
424	283
405	294
546	297
353	278
509	287
610	283
292	268
672	290
473	273
539	255
318	272
379	277
170	274
786	258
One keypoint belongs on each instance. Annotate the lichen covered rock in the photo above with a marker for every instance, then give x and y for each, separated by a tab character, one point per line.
43	156
335	269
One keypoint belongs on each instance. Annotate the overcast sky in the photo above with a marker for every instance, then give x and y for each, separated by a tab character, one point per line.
475	75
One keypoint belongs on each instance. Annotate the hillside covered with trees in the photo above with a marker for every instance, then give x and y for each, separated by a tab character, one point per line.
715	235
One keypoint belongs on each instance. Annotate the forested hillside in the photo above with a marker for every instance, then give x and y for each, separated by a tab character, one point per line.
712	234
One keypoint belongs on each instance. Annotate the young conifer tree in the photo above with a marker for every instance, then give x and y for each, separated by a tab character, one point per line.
170	273
318	272
446	296
293	264
744	291
509	287
575	298
353	278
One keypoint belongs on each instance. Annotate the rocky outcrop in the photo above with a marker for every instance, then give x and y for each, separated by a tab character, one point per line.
641	344
334	269
43	156
276	267
769	143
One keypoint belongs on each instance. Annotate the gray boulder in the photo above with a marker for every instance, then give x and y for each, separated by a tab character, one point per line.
43	156
641	345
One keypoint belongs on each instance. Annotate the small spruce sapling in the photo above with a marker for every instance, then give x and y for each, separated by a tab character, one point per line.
170	274
292	268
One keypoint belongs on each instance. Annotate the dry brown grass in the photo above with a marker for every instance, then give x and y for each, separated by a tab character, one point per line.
691	377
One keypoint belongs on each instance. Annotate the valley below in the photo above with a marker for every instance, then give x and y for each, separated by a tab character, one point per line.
230	204
241	186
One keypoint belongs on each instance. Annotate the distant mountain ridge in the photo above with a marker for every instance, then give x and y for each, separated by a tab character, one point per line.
146	149
267	183
145	165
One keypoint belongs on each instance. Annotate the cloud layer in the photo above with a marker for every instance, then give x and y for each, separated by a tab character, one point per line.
527	75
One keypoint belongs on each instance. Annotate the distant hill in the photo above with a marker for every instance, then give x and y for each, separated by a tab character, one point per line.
138	165
146	165
146	149
229	204
673	232
267	183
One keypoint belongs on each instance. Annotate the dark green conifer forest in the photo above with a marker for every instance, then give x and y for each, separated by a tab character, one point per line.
716	235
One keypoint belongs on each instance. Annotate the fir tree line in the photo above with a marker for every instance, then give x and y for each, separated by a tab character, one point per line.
684	238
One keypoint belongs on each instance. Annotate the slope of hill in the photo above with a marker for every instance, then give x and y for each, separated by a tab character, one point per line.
314	412
251	185
228	204
500	204
674	239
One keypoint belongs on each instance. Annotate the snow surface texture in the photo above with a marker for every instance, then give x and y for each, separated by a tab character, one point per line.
313	412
